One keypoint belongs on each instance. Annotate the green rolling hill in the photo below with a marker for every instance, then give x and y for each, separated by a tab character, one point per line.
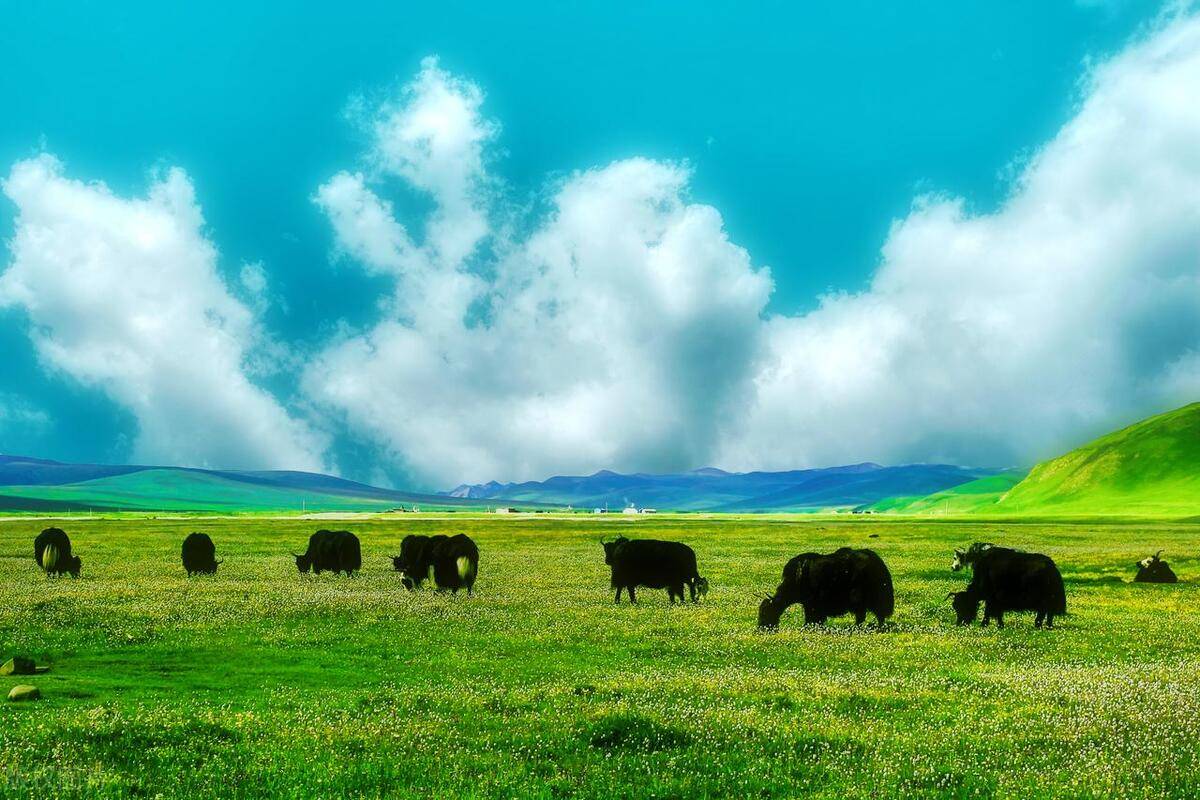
33	485
966	498
1151	468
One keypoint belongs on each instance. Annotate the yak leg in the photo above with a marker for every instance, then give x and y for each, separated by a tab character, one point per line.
1049	620
618	600
860	616
692	590
632	596
1037	621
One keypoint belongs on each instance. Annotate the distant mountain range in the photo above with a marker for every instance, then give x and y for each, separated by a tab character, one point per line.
712	489
1151	468
33	484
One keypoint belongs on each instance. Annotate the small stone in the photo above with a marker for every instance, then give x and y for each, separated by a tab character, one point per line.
17	666
24	691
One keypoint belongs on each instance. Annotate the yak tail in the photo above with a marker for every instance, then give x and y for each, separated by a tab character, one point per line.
49	557
466	570
887	598
1060	598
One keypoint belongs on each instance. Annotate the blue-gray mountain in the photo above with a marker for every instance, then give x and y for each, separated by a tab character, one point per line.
713	489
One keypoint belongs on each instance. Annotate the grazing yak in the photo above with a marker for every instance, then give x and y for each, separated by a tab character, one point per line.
52	551
847	581
451	562
335	551
1011	580
199	554
1154	570
654	564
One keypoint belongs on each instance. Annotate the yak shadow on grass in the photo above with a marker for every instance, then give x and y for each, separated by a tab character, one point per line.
634	732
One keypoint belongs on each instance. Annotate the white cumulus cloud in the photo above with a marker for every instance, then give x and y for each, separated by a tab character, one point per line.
124	295
625	330
1008	336
619	331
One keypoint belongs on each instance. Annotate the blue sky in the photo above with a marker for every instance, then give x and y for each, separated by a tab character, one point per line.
811	131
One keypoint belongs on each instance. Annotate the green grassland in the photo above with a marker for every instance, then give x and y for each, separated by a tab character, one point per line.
259	682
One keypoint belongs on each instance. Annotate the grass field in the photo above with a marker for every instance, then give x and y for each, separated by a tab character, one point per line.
258	682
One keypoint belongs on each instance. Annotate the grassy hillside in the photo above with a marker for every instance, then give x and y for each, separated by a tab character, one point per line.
257	682
183	490
966	498
1150	468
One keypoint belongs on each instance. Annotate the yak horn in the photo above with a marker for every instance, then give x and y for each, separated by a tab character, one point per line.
1156	555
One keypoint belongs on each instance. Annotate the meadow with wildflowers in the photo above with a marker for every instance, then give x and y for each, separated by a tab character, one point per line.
260	682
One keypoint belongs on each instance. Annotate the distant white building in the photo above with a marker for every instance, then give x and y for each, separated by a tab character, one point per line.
506	510
649	511
629	510
599	510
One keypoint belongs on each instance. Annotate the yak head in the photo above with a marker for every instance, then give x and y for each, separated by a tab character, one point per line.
73	565
701	587
400	564
960	559
303	562
610	548
965	558
965	605
1151	562
769	613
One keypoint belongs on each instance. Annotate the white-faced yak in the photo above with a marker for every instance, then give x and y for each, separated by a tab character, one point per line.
332	551
654	564
451	562
1154	570
199	554
1011	580
52	551
847	581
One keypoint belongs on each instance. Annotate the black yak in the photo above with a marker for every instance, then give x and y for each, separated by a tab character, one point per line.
847	581
335	551
654	564
199	554
1011	580
1154	570
451	562
52	551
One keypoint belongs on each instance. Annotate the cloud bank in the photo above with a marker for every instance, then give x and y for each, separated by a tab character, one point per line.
625	330
620	327
124	295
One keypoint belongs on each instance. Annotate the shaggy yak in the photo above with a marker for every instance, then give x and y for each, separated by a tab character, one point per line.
332	551
847	581
199	554
451	562
52	551
1011	580
654	564
1154	570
